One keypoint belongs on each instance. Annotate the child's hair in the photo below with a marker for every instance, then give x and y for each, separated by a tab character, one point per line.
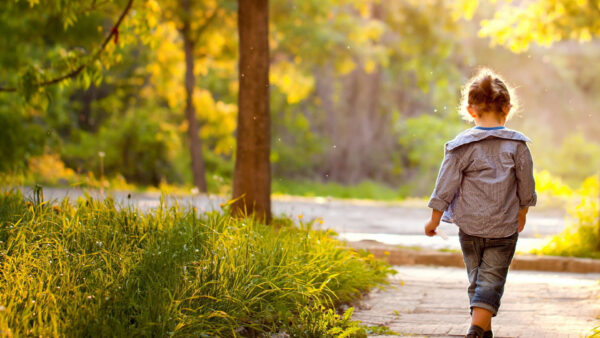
487	92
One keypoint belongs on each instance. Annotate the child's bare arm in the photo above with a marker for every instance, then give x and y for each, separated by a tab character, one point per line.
434	221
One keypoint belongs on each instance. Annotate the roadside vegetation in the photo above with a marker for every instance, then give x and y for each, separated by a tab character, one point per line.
92	268
581	237
53	173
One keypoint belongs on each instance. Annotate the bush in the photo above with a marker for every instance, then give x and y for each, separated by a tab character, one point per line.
575	159
552	191
422	140
93	269
582	237
49	169
136	145
19	140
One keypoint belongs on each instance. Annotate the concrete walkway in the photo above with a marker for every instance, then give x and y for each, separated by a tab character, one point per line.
426	301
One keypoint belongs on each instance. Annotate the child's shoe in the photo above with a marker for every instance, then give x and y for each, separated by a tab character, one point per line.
475	332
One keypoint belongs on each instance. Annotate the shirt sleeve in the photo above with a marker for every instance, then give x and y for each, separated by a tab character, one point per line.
448	181
525	181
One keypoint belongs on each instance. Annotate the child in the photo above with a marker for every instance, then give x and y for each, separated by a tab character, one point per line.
485	186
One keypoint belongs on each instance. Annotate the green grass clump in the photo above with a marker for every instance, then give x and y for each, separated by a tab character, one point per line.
91	268
364	190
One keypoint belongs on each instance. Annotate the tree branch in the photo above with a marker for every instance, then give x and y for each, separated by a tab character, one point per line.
114	30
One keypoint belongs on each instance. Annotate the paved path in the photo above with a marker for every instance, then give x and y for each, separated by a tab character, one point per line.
432	302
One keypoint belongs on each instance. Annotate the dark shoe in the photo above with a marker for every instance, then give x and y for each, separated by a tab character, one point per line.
488	334
475	332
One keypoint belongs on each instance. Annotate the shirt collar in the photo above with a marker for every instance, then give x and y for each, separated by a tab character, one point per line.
490	128
477	134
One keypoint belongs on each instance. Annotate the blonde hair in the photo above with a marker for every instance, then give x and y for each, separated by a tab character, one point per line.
486	92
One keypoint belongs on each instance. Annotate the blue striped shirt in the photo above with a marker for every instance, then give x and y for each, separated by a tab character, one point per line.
486	177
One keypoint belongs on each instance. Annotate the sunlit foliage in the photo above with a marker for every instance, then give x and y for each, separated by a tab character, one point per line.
543	22
92	268
582	237
360	90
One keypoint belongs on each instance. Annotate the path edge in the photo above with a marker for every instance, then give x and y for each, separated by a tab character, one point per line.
401	256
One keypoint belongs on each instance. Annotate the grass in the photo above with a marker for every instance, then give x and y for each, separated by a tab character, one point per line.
92	268
365	190
381	331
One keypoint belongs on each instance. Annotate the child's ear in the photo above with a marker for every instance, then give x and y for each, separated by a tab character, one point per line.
506	109
471	111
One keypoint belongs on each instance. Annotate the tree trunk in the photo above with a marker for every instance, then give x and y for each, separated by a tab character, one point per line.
324	87
252	175
190	112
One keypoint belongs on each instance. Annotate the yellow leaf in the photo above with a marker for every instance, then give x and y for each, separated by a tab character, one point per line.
464	8
291	81
585	35
345	66
370	66
153	5
560	9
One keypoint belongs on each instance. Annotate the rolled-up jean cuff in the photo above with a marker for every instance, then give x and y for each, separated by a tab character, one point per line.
486	306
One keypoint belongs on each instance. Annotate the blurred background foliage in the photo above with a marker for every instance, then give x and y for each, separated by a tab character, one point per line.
581	237
363	93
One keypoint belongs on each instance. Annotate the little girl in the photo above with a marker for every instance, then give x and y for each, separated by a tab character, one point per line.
485	186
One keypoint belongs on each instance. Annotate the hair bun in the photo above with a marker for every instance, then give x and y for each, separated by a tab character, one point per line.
486	87
487	92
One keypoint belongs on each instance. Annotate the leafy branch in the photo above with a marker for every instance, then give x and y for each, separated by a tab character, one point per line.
114	33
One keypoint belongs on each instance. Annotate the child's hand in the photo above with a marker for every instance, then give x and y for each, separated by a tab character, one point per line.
522	218
430	227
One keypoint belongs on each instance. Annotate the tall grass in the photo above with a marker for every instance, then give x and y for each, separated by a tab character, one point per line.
91	268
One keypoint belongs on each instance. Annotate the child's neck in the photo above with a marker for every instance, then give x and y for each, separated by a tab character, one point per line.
489	122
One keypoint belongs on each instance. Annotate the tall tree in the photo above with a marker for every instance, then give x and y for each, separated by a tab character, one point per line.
195	142
195	20
252	174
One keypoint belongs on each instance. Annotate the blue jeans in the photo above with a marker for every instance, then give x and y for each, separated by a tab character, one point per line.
487	261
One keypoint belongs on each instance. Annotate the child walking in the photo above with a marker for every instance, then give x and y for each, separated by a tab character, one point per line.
485	186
